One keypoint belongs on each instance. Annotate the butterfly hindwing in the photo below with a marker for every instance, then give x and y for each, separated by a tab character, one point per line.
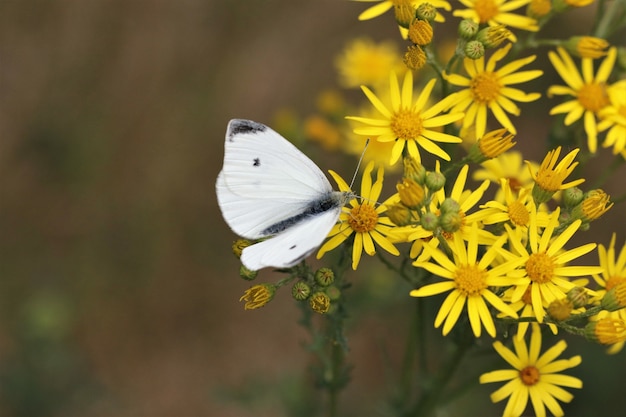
292	245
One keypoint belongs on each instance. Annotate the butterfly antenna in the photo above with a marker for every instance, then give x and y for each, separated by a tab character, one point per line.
356	171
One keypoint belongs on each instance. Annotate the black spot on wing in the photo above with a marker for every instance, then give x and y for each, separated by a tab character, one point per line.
256	163
293	247
239	126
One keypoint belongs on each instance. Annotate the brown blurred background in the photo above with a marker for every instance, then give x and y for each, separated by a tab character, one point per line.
118	292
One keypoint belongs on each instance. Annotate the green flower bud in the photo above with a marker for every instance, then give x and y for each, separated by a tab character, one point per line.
300	290
434	180
429	221
247	274
426	11
468	29
320	302
324	276
572	196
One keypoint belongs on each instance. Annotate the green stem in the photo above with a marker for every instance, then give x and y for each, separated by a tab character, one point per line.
430	398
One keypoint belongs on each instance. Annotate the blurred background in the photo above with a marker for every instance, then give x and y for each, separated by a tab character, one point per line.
118	290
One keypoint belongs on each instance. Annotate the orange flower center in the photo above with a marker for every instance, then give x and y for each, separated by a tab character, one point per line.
540	268
470	280
406	124
485	87
529	375
363	218
527	298
614	281
486	10
593	97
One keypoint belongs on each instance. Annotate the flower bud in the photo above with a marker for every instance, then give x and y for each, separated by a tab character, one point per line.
434	180
572	197
606	331
429	221
538	8
300	291
414	170
615	298
399	214
426	11
258	295
474	50
560	309
491	145
594	205
451	222
239	245
333	293
578	296
247	274
324	277
411	193
420	32
449	205
587	46
320	302
404	13
414	57
468	29
493	36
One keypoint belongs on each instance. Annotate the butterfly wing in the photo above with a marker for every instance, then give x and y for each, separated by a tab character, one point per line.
265	179
293	244
259	163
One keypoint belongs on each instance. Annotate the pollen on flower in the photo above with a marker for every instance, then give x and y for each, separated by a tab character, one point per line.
406	124
470	280
519	214
530	375
540	267
593	96
614	281
485	87
486	10
363	218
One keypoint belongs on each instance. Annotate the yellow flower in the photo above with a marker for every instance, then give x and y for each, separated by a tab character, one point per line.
509	165
544	265
366	62
614	118
515	210
409	123
492	145
468	280
494	12
549	178
613	274
606	331
364	220
589	91
533	375
488	89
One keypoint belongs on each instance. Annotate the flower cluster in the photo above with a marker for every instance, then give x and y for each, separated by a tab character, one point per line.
498	250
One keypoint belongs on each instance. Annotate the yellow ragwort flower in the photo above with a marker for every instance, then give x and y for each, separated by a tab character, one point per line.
589	91
468	279
492	145
494	12
545	268
364	219
488	89
533	376
587	46
549	178
409	123
614	118
612	275
365	62
509	165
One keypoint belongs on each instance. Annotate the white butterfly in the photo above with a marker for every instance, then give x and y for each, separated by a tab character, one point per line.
268	188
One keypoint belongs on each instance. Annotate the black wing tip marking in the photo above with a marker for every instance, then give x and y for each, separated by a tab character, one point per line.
240	126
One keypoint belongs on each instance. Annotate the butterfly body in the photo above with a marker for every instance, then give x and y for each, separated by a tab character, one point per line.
269	189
